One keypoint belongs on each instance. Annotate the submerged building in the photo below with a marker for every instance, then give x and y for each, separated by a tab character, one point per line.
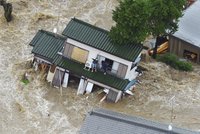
73	53
101	121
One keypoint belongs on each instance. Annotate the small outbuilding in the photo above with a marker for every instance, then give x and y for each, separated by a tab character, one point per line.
185	42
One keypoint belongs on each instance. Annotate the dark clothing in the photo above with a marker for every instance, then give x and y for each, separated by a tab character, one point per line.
104	66
95	61
94	64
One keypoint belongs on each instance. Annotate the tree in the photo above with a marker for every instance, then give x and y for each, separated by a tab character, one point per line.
164	18
130	18
7	10
137	19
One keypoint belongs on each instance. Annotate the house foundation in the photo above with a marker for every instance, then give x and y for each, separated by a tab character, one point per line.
82	86
65	80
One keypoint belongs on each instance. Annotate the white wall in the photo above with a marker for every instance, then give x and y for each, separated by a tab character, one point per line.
132	74
138	58
93	52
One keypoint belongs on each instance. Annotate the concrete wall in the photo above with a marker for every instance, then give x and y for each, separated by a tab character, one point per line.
94	52
177	46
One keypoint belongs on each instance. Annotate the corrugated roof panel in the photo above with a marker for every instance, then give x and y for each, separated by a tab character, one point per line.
92	37
189	29
101	121
35	39
98	38
47	44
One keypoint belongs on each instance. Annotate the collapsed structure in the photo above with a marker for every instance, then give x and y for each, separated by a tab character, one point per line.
73	52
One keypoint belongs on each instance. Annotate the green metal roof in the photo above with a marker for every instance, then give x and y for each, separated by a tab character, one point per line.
99	39
78	69
47	44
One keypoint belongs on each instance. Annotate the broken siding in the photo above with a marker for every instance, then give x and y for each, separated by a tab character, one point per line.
112	95
57	80
52	68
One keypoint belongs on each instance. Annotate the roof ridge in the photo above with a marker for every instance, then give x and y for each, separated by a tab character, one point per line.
137	120
52	34
107	120
98	38
90	25
128	120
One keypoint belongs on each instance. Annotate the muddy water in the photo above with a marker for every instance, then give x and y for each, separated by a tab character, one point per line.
39	108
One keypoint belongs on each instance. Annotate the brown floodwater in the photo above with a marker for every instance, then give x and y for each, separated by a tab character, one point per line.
39	108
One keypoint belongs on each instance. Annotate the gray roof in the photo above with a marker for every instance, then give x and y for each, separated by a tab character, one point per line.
98	38
101	121
189	25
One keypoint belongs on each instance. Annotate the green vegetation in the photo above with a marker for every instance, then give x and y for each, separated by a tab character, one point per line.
173	61
137	19
25	81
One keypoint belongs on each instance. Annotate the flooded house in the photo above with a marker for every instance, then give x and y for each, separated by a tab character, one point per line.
86	52
185	42
102	121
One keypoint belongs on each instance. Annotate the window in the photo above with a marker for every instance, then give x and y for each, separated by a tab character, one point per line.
79	54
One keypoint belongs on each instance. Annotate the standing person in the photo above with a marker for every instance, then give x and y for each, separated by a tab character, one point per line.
94	65
104	67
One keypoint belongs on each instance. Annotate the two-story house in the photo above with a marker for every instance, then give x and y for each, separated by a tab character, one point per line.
72	53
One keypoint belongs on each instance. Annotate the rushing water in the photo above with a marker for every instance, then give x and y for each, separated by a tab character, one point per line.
39	108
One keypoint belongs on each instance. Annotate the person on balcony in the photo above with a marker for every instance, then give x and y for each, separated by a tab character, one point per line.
104	66
94	65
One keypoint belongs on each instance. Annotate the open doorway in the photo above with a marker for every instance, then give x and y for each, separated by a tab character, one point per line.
190	55
73	81
109	63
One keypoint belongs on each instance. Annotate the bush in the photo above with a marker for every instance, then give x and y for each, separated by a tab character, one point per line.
173	61
185	66
25	81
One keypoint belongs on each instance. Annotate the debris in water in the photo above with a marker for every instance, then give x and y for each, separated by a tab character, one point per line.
21	109
25	79
42	16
